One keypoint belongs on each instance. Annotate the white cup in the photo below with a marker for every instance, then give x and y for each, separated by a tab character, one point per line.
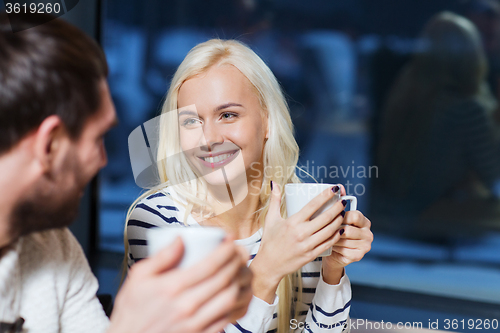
199	242
298	195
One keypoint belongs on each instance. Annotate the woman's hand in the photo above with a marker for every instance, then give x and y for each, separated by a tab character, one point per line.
355	241
288	244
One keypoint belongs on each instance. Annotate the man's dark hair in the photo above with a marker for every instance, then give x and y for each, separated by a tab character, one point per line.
50	69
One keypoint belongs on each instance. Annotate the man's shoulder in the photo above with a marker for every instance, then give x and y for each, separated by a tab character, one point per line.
57	244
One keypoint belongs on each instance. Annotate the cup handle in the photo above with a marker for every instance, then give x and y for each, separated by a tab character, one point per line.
354	201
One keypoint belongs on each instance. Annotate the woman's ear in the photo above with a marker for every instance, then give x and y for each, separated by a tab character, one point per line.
48	139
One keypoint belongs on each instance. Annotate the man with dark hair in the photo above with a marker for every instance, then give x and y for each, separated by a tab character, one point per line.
55	108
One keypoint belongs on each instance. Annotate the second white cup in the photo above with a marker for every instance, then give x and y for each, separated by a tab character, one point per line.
199	242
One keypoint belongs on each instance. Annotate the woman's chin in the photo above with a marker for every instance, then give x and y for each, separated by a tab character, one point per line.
217	178
215	181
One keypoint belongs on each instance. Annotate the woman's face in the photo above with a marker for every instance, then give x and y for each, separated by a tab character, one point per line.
222	126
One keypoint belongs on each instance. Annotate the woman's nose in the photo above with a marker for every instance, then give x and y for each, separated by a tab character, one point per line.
212	135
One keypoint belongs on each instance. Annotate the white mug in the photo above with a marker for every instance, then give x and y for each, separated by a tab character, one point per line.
297	195
199	242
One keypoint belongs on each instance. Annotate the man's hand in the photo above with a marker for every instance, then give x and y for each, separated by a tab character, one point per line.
204	298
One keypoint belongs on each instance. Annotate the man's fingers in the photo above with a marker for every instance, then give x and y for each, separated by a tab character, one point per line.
241	307
244	255
218	306
208	266
166	259
206	290
217	326
245	277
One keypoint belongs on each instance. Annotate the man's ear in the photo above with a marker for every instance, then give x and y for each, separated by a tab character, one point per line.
268	127
48	138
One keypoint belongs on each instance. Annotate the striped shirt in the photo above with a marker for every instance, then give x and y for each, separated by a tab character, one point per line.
324	307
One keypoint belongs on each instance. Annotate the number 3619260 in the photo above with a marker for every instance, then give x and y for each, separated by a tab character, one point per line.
32	8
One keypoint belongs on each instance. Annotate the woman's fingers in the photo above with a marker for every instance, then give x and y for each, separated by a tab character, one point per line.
325	245
312	206
274	212
356	238
325	218
351	244
359	229
356	218
351	232
349	255
364	245
326	233
342	189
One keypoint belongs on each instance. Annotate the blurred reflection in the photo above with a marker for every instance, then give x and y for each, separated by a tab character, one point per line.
485	14
438	151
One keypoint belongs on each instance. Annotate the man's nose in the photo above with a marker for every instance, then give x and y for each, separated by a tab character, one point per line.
104	156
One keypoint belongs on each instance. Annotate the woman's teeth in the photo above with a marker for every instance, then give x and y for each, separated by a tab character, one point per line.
217	158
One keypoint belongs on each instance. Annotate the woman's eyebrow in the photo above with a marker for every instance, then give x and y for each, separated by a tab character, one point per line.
192	113
225	106
220	107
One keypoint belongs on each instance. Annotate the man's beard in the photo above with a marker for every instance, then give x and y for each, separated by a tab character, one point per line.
38	213
51	203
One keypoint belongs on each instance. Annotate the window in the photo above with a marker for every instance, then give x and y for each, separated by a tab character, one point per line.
381	102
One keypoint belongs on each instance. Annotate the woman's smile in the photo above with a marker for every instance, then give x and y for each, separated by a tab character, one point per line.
217	160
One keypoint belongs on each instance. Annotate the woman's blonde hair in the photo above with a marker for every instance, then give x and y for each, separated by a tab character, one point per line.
280	151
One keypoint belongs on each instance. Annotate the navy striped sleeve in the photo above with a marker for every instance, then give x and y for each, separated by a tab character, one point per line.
156	195
167	207
331	314
241	329
141	224
154	211
157	213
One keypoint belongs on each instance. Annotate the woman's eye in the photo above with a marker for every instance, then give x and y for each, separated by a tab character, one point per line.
228	115
189	122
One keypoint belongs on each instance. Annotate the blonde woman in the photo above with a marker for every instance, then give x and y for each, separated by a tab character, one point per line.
226	150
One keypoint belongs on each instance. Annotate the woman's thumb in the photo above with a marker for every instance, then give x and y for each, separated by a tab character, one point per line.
275	201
